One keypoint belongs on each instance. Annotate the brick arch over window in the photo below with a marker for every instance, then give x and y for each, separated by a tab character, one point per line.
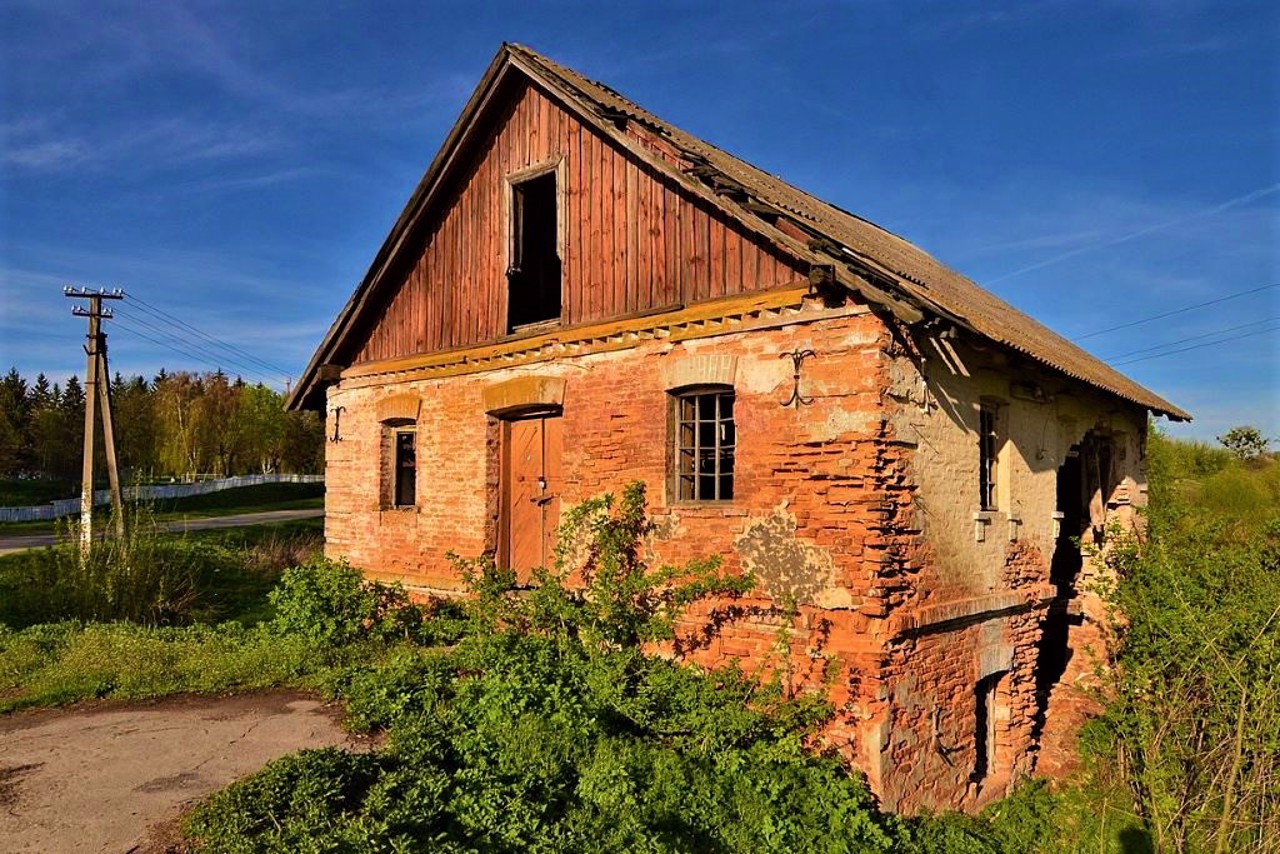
399	408
705	370
525	394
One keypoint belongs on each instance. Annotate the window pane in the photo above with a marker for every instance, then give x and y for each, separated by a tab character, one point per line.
704	446
685	463
707	487
687	435
707	434
686	487
406	474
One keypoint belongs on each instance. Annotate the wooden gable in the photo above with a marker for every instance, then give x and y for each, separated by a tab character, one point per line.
631	241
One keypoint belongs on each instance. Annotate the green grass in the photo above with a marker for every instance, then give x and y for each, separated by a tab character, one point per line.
56	664
202	577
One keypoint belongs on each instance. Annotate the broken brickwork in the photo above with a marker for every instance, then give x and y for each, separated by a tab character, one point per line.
880	582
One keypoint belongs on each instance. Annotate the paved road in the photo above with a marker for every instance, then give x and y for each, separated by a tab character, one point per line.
116	777
22	542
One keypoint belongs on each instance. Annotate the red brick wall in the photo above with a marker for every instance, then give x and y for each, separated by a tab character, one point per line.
827	513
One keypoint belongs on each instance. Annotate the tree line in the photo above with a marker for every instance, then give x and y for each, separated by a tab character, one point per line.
174	425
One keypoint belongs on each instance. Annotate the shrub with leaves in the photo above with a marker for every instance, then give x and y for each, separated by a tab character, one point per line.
330	603
547	728
1193	724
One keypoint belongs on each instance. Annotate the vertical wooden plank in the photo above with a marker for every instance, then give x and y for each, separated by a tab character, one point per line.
617	235
415	284
450	279
591	210
750	258
490	226
644	269
688	285
702	253
463	282
577	287
671	211
733	261
504	229
632	226
619	206
616	284
715	255
659	245
601	254
604	249
523	130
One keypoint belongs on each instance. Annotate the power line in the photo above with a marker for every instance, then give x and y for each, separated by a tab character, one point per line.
1191	338
207	355
231	350
201	358
218	342
1177	311
1196	347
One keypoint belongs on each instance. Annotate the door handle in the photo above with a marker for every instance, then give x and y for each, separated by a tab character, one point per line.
542	500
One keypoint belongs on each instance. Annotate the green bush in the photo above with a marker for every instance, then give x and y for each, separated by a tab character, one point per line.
546	728
331	604
520	742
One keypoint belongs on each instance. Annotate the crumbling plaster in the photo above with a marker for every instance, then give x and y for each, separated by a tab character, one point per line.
1041	415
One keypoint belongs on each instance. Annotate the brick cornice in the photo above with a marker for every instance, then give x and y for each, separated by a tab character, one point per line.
720	317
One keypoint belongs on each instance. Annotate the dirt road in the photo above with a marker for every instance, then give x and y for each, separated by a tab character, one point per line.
22	542
116	777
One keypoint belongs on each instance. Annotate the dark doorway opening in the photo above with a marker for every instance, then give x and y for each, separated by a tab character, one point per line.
984	726
1054	649
533	279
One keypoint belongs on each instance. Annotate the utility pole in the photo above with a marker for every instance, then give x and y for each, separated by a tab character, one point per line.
98	388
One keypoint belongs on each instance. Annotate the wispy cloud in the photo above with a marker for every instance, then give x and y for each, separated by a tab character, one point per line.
51	154
1117	239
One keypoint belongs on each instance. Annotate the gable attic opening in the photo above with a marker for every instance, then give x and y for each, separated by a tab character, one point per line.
533	277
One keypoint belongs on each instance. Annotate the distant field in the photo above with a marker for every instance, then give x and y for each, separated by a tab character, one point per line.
20	493
245	499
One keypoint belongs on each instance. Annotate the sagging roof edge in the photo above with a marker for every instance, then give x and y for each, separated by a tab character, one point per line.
566	89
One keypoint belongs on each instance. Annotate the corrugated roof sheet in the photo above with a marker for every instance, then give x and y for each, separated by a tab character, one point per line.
921	276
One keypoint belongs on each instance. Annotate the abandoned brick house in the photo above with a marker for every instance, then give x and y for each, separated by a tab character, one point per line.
579	295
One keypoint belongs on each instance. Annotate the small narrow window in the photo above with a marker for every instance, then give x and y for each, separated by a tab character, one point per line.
533	279
705	440
988	450
406	469
984	734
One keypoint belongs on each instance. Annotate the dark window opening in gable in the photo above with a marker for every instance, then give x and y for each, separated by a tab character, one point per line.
406	469
988	456
533	280
705	444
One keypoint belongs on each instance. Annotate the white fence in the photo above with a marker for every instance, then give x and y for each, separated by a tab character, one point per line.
70	506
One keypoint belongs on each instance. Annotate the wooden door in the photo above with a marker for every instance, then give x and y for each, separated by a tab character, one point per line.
531	493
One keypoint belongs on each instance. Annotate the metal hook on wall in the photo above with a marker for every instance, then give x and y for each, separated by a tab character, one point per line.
337	423
797	359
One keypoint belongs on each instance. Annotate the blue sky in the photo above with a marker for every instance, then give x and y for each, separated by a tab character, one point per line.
237	165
